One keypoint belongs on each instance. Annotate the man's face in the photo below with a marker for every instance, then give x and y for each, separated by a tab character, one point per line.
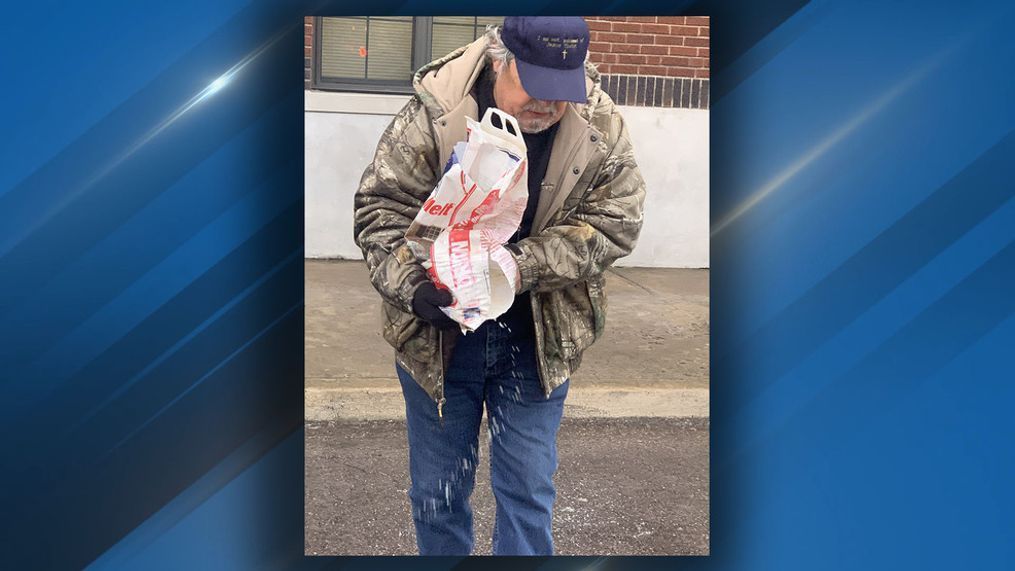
533	115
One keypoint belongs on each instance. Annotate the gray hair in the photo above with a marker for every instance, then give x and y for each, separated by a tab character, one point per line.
495	48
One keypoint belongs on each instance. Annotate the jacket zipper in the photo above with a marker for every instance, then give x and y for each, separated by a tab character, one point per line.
440	358
439	139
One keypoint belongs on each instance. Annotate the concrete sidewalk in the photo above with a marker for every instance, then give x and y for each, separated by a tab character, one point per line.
652	360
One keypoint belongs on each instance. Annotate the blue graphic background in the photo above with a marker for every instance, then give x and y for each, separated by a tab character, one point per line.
863	271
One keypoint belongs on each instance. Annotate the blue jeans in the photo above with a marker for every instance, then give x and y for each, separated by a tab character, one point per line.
495	368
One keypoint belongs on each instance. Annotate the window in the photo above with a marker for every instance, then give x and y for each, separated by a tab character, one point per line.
452	32
381	53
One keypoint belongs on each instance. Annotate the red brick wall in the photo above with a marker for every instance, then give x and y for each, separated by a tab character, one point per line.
665	46
652	61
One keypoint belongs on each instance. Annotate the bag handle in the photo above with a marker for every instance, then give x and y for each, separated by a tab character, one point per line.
503	126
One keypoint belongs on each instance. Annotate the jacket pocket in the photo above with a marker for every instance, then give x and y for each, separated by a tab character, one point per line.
578	316
399	326
409	335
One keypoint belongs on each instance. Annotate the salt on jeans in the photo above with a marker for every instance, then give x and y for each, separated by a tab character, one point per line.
494	368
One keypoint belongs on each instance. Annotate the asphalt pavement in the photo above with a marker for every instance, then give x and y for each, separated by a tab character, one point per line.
625	486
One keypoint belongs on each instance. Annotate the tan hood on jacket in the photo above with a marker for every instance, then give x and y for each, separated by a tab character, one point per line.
448	80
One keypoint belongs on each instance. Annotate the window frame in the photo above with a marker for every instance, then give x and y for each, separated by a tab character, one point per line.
422	42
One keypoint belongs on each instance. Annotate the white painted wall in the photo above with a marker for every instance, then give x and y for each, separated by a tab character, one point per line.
671	146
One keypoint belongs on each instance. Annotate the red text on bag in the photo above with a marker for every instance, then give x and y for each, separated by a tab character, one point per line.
434	209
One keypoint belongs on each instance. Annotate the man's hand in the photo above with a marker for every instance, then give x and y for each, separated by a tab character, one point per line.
428	300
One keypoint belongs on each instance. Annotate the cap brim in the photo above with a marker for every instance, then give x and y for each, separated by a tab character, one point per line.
551	84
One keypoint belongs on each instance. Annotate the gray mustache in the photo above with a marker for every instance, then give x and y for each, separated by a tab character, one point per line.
548	108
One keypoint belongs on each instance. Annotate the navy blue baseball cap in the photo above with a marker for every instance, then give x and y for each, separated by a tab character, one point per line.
550	55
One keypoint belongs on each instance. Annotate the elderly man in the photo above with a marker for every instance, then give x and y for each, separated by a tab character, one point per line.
584	211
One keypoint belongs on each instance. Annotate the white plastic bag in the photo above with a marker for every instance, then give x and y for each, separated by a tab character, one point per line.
476	208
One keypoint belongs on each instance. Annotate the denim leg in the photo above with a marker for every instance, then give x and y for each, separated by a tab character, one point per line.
523	424
443	456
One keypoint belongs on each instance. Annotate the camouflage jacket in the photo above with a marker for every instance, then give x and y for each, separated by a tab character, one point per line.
589	214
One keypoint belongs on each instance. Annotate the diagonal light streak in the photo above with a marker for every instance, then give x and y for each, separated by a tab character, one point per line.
180	343
214	87
832	139
207	375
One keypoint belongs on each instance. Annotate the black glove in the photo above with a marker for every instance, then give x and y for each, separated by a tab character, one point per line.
428	300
